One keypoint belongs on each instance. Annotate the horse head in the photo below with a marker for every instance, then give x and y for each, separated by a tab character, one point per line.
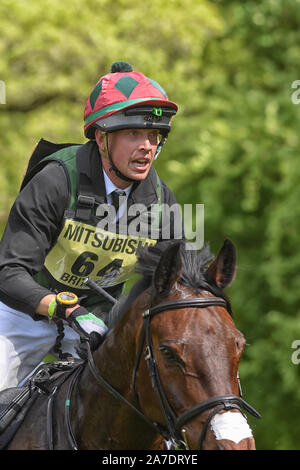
192	352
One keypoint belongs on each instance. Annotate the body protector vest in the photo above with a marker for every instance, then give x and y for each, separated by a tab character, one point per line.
89	242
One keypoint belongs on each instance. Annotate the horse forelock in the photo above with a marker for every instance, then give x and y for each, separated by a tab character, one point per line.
194	267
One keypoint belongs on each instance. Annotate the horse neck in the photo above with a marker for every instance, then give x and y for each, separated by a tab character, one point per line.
116	357
115	361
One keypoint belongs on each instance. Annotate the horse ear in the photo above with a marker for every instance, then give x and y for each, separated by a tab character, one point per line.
168	269
222	269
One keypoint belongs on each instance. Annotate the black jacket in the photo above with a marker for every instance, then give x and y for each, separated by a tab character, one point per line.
35	221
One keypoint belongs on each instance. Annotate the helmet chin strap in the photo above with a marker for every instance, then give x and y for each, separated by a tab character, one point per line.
113	167
118	172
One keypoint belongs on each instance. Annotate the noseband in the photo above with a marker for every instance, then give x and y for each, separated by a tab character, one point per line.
173	431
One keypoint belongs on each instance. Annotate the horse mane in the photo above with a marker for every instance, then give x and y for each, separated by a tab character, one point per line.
194	264
193	274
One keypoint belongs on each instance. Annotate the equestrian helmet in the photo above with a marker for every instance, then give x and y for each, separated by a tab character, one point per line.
124	99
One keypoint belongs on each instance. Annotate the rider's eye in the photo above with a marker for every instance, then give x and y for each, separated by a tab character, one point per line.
154	134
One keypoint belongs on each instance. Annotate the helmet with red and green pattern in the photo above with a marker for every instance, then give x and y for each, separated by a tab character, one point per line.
124	99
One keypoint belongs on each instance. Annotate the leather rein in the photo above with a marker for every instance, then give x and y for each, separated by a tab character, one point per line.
172	431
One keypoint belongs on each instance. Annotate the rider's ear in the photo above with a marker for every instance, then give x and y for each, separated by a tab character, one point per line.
168	269
222	269
100	139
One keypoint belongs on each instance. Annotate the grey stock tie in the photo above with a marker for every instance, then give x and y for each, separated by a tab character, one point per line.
115	197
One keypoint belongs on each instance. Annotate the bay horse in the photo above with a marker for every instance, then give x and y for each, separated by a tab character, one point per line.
166	372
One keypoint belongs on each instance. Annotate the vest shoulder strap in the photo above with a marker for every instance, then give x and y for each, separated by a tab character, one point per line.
89	192
158	215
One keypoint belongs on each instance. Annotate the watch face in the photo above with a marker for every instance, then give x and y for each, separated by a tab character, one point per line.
67	298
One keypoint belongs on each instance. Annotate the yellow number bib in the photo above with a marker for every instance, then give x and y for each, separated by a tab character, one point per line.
85	251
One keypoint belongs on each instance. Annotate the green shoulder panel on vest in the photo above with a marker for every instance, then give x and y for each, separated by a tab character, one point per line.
67	157
45	152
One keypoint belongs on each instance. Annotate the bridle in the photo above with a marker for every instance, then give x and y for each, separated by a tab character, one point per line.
172	431
218	403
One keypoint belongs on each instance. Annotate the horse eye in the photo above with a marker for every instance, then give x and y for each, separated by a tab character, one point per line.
168	353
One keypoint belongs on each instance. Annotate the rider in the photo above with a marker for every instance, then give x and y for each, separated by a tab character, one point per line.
62	228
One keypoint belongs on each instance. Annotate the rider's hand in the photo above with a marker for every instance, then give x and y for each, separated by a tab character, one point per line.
87	325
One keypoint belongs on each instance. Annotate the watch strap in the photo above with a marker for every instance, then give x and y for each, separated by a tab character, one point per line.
52	307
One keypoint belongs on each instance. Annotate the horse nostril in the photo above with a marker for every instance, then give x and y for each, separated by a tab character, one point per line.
240	343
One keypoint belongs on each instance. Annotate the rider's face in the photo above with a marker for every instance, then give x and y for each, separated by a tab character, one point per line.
132	152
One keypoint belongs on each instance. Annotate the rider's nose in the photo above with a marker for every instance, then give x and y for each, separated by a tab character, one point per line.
146	144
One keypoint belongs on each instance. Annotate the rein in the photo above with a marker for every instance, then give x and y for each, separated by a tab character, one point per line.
173	431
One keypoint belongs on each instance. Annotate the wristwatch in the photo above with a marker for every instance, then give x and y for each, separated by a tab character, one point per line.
62	301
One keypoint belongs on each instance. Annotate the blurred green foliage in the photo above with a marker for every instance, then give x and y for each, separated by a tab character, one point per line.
234	144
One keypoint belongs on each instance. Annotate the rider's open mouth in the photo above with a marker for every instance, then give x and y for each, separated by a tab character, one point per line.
141	163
